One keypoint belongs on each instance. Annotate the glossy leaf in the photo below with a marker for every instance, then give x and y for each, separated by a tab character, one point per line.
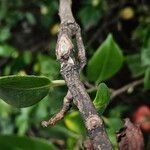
102	98
23	91
106	61
147	79
12	142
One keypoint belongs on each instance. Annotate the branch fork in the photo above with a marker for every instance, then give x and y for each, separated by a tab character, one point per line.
71	67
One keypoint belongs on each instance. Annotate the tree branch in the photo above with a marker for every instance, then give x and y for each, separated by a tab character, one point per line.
117	92
60	115
126	87
70	69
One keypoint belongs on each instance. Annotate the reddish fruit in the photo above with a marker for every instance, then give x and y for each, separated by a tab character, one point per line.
142	117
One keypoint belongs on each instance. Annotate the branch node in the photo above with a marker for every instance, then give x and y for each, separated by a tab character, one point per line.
93	121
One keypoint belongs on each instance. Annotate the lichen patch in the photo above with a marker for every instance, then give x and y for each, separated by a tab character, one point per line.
93	121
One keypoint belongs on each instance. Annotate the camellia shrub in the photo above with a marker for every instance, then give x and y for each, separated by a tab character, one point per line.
112	79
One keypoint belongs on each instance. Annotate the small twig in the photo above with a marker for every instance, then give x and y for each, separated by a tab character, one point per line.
60	115
88	85
81	49
115	93
56	83
92	89
126	87
70	71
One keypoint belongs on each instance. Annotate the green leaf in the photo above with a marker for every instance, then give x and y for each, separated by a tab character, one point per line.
27	57
102	98
74	122
76	143
23	91
134	64
112	137
147	79
30	18
20	62
5	109
41	110
8	51
71	142
106	61
59	131
12	142
87	16
47	66
22	120
4	34
145	57
113	125
54	99
118	111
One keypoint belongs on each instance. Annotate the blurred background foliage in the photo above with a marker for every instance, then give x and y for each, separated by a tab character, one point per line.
28	35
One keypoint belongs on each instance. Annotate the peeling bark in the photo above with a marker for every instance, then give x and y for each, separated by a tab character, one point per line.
70	70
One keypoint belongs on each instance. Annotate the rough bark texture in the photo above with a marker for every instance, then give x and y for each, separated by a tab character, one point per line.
70	69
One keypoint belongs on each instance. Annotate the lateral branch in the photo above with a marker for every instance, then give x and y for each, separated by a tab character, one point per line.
71	65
